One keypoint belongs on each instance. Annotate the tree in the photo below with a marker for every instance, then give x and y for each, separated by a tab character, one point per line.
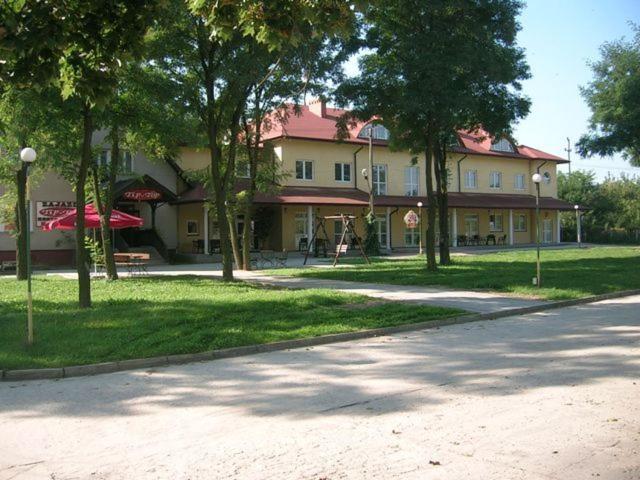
426	79
217	54
100	36
614	100
31	43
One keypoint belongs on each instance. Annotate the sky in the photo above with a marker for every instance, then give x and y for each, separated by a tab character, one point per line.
560	37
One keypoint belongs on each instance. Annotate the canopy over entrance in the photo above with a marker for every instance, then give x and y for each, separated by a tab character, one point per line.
117	221
143	189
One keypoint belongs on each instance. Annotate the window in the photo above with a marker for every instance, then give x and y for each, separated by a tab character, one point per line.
411	237
192	227
243	170
304	169
546	178
126	160
518	183
503	145
471	179
380	179
495	180
520	223
379	132
495	222
343	172
301	228
411	181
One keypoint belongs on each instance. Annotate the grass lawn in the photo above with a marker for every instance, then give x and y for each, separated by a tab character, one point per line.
566	273
136	318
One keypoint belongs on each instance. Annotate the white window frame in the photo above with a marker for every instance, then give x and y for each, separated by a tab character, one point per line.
521	176
495	180
379	188
300	219
503	145
468	175
197	232
342	166
493	226
305	167
414	235
243	172
381	219
518	227
104	159
412	184
476	219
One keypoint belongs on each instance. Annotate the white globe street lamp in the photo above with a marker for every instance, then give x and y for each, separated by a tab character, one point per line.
28	156
537	178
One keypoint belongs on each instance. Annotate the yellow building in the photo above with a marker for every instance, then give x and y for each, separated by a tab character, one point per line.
491	192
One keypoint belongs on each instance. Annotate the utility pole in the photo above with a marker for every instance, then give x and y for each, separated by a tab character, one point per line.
568	150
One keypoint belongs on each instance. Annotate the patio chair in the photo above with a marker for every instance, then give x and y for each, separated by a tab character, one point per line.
475	240
502	240
491	238
281	259
462	240
303	244
267	258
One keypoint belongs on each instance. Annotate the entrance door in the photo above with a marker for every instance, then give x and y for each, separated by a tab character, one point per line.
471	225
301	228
381	223
547	230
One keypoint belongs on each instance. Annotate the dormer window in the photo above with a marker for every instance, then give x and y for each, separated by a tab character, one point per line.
375	131
503	145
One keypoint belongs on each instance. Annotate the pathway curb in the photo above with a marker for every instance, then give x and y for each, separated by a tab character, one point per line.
163	361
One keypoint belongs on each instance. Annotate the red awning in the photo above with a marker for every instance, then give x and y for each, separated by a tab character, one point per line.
117	221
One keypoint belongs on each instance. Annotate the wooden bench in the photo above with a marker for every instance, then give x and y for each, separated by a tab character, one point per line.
8	265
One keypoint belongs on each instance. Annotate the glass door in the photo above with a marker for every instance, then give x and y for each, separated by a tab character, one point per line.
301	228
547	230
471	225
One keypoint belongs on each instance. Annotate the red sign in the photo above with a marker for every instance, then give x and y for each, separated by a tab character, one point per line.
411	219
142	195
46	211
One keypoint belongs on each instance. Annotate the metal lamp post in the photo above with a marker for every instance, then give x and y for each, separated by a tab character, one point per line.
537	178
578	225
420	225
28	156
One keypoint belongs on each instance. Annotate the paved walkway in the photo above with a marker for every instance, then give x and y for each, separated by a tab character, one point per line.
544	396
472	301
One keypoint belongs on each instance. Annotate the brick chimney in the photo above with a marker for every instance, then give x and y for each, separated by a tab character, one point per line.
318	107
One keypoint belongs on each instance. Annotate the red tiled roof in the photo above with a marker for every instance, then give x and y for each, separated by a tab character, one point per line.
355	197
301	122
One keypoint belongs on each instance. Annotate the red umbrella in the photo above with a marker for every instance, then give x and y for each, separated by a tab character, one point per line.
92	220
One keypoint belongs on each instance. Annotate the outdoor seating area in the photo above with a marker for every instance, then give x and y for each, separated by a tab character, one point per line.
479	240
262	259
135	263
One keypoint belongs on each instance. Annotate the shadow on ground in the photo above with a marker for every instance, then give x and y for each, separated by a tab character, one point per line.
560	348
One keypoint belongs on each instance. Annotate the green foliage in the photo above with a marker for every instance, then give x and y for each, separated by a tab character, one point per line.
613	207
371	239
614	99
96	253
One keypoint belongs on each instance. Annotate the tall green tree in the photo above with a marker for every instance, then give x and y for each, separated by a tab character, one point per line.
614	99
216	52
436	67
101	36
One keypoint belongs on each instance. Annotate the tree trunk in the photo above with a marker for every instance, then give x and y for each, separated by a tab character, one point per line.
247	234
22	229
431	208
233	234
443	203
225	241
82	266
104	206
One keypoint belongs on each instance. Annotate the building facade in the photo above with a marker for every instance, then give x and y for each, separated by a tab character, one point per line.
491	194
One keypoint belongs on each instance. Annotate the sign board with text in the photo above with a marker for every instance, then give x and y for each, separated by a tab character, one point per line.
48	210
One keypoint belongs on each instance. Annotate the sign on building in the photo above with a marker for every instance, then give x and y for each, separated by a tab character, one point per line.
48	210
141	195
411	219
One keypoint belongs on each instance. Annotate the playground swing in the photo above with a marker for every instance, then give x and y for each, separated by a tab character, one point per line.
342	247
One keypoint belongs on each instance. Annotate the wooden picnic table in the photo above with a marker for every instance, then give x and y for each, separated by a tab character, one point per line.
136	263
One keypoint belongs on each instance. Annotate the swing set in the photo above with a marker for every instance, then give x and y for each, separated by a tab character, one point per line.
343	246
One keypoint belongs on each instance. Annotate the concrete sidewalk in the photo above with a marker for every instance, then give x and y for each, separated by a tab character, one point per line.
544	396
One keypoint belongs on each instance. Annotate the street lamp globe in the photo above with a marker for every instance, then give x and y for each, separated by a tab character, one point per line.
419	204
28	155
576	207
364	172
536	177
